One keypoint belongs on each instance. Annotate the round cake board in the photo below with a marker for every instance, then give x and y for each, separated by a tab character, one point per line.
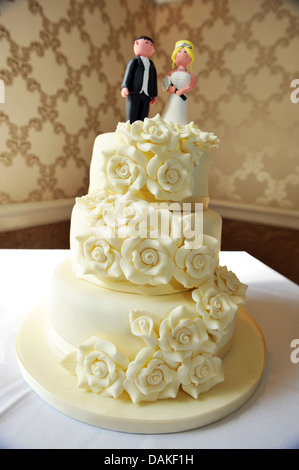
39	364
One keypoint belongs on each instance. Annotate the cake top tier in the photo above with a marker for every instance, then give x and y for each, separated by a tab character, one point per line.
154	160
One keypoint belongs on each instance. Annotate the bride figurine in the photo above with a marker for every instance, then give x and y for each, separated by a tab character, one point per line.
179	82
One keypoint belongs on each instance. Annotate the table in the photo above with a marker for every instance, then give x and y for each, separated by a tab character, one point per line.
268	420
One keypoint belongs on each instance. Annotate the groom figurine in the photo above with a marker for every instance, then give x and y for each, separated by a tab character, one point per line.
139	85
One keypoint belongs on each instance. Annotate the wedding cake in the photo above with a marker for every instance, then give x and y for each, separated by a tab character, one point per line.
144	330
142	308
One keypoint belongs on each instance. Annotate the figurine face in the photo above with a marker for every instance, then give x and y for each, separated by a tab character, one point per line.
182	58
144	47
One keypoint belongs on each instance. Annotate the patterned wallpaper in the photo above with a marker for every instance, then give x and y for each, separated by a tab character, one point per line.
246	58
62	62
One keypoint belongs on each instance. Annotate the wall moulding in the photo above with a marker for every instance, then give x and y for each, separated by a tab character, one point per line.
32	214
161	2
277	217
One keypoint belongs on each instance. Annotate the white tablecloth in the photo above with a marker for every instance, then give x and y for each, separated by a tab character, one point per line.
270	419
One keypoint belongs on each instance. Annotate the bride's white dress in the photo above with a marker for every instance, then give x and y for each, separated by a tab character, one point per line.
176	109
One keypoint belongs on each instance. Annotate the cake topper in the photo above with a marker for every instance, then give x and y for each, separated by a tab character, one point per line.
178	82
139	85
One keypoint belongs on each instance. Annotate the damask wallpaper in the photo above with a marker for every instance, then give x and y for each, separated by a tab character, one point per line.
61	66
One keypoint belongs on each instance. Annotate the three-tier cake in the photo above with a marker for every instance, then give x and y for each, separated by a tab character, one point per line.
144	330
142	306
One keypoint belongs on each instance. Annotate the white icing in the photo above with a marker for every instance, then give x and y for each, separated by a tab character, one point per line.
199	373
124	171
179	351
183	355
194	266
216	307
102	255
181	333
154	159
100	367
228	282
149	378
148	261
143	325
153	135
120	238
170	176
147	347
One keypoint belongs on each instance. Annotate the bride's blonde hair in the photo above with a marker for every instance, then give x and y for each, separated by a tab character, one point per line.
180	45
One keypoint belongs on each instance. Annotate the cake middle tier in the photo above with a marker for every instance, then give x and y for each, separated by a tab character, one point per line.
125	244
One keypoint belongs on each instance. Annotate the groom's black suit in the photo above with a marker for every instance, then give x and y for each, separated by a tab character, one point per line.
137	105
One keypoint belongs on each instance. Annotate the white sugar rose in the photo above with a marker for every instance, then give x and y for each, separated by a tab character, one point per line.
214	306
101	368
123	133
170	176
194	149
148	261
144	324
208	140
188	131
195	141
228	282
127	216
181	333
153	135
125	170
149	378
192	133
102	255
199	373
94	204
195	266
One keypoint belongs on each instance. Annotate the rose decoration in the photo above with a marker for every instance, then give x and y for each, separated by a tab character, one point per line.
143	325
228	282
179	353
154	135
148	261
170	176
194	141
149	378
192	133
195	266
199	373
195	151
94	204
100	367
123	133
208	140
214	306
189	131
127	216
181	333
102	255
124	170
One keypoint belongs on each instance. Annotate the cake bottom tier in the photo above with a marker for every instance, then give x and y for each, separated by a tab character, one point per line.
39	363
80	310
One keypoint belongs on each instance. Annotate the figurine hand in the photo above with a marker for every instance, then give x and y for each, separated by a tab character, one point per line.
180	92
124	92
154	100
171	89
